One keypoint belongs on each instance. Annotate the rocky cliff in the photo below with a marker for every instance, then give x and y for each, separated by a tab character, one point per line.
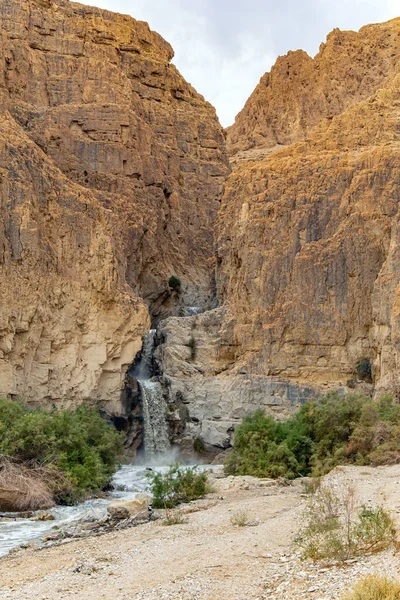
308	234
111	175
308	242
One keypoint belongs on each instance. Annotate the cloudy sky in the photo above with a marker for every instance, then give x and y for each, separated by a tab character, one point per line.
223	47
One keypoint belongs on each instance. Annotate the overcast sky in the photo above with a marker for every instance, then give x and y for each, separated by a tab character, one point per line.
223	47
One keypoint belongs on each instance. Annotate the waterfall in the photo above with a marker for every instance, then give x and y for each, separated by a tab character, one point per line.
154	406
144	369
156	439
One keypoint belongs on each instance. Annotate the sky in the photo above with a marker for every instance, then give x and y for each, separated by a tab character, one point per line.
223	47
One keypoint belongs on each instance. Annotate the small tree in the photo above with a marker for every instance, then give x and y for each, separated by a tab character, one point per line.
174	283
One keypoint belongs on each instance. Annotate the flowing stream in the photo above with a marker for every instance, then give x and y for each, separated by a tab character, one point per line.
156	441
128	481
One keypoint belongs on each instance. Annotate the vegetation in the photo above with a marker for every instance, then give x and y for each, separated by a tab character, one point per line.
334	531
78	449
193	347
174	516
334	430
174	283
364	370
179	484
198	445
240	518
374	587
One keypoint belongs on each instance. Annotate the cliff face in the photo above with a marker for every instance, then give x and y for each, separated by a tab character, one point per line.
308	235
111	173
301	92
308	243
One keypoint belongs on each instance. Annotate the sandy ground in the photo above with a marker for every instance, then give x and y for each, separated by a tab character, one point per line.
206	558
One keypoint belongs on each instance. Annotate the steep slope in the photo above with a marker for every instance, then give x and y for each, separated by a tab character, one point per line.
300	92
112	169
308	243
308	237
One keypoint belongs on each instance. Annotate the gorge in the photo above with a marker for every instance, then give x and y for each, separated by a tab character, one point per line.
114	177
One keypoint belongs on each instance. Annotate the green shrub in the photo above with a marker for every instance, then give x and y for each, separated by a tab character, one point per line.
193	347
198	445
364	370
179	484
174	282
333	430
374	587
80	444
334	531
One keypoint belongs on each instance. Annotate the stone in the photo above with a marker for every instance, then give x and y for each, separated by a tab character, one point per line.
43	516
123	509
111	175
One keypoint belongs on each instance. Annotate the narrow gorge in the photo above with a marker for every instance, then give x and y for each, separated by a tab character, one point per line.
115	180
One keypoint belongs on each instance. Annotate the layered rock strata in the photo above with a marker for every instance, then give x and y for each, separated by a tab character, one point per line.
308	236
111	173
308	243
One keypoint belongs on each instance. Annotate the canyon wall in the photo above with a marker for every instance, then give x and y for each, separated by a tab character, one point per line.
111	176
308	242
308	233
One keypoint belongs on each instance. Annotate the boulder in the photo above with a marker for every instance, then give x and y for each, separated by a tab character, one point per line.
123	509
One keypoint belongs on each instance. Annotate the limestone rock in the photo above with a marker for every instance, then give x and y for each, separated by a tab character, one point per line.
123	509
111	173
300	92
308	240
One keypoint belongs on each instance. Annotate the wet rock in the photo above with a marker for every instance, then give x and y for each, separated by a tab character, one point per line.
124	509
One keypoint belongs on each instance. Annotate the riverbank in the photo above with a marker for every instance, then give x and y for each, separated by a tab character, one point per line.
205	558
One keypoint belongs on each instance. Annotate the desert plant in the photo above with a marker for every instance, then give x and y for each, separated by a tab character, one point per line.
198	445
364	370
192	344
179	484
174	283
240	518
374	587
333	430
174	517
79	444
335	531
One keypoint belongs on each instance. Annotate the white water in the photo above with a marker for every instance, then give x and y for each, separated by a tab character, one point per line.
155	423
144	369
128	481
154	407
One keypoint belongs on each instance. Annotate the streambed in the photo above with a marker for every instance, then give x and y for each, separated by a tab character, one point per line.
128	482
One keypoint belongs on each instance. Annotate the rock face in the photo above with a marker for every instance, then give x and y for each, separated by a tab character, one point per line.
308	239
301	92
308	244
111	172
208	394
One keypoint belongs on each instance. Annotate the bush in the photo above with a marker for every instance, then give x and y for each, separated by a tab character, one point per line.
364	370
374	587
334	531
240	518
193	347
80	445
177	485
333	430
174	517
198	445
174	282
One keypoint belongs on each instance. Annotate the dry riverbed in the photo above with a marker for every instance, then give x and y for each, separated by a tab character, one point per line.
205	558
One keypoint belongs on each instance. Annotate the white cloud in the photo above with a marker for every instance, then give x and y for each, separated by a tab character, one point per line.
223	47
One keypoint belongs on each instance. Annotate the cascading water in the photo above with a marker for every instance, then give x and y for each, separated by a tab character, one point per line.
156	440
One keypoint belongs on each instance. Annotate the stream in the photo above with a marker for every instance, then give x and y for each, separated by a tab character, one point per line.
128	481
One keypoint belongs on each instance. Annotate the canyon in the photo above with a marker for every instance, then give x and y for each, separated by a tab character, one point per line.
114	176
